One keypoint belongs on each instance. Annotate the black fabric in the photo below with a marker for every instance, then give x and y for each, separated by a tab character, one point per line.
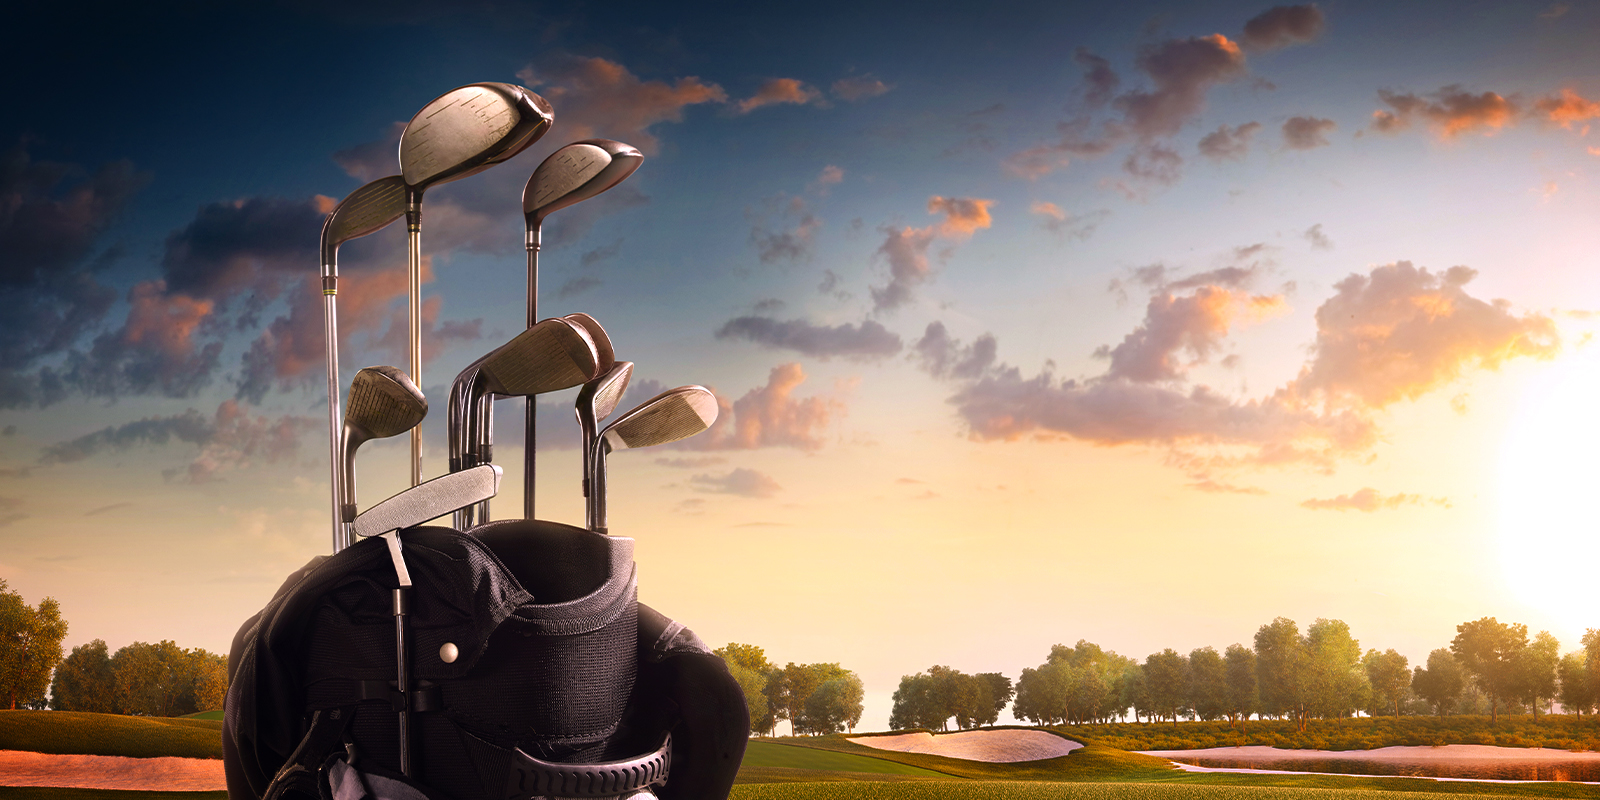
556	658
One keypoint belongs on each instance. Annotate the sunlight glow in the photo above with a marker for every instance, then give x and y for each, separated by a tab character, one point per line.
1549	479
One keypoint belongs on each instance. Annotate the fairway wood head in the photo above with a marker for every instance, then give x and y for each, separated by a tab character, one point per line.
607	356
553	355
383	402
368	209
576	173
467	130
672	415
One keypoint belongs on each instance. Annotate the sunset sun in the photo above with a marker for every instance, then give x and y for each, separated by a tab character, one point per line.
1548	479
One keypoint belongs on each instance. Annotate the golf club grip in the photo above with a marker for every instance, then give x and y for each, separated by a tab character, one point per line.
402	656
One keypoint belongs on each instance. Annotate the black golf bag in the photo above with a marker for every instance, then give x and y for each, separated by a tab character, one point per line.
534	672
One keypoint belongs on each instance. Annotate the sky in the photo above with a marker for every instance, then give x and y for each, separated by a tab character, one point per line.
1141	323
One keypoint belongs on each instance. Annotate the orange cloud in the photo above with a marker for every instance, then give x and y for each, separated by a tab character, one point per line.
779	91
1178	326
771	416
906	249
1566	109
1282	26
597	97
1450	113
1369	500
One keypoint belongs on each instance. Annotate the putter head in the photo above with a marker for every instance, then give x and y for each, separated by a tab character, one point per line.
576	173
672	415
429	500
467	130
553	355
383	402
602	343
368	209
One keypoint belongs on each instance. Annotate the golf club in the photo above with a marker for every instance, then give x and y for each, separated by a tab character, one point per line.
596	400
460	133
368	209
570	175
553	355
384	402
672	415
429	500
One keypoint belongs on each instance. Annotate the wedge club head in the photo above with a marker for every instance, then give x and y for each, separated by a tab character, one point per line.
672	415
383	402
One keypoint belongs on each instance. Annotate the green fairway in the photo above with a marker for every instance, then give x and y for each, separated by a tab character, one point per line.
83	733
1020	790
216	715
46	793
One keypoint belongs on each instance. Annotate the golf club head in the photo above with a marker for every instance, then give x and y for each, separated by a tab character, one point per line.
429	500
602	343
368	209
576	173
383	402
467	130
672	415
553	355
600	396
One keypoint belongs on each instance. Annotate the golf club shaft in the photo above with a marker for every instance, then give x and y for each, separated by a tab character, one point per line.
414	308
330	332
528	469
597	487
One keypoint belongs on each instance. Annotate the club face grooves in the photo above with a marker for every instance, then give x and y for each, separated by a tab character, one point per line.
366	210
553	355
668	417
469	129
384	402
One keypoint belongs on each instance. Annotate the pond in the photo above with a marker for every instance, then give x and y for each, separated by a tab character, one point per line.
1458	762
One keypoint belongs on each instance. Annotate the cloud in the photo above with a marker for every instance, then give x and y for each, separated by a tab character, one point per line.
597	97
906	249
1555	11
1565	109
156	350
231	439
787	245
1182	70
697	462
942	356
52	216
1451	112
779	91
1075	142
1282	26
1369	500
1400	332
243	245
1180	332
771	416
829	177
1219	487
1227	143
856	88
1062	223
1099	81
370	161
741	481
1154	163
867	341
1318	239
1307	133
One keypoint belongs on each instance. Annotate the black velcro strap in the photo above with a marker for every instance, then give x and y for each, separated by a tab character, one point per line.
529	777
425	697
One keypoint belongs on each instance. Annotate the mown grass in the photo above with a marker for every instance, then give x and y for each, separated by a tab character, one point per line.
216	715
787	756
1015	790
1558	731
51	793
83	733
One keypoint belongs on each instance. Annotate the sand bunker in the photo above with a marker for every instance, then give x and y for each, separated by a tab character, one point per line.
21	768
1003	746
1447	753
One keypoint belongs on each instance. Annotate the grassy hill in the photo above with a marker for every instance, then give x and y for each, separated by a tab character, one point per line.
83	733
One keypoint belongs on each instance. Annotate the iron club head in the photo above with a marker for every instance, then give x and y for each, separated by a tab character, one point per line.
672	415
607	355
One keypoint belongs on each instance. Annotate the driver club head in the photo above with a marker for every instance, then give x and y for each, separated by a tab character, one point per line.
576	173
383	402
469	129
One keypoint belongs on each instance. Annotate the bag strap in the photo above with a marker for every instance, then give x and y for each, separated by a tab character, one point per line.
299	773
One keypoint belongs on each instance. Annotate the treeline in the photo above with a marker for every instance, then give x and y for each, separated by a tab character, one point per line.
816	699
162	680
930	699
1320	673
159	680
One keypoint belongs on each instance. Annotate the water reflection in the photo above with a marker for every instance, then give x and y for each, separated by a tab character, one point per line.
1510	769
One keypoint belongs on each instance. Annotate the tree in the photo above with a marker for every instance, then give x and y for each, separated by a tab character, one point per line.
1577	690
1208	683
1489	650
165	680
1536	667
1041	693
1167	675
1000	694
84	682
1389	674
30	646
1242	696
1441	683
798	683
1336	684
914	704
749	666
835	705
1281	669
